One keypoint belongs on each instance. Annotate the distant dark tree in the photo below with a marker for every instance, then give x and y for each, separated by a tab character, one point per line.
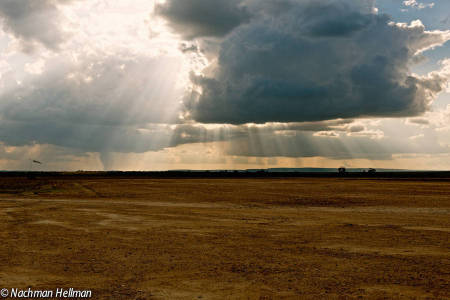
342	170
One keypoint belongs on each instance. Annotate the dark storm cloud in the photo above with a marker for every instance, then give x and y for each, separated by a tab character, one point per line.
135	138
279	61
34	21
84	137
201	18
100	103
317	60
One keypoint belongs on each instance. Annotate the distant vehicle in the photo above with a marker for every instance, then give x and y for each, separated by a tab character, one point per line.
342	170
372	171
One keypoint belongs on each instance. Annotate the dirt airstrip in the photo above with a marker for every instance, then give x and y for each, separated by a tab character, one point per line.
296	238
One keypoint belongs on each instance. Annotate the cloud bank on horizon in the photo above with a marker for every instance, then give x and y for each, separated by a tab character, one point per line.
255	78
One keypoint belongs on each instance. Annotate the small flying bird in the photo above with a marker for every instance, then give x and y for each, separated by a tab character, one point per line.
37	162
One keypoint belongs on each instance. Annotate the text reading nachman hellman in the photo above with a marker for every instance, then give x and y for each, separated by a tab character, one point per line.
58	293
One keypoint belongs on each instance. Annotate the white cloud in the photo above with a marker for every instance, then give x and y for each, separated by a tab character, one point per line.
418	5
35	68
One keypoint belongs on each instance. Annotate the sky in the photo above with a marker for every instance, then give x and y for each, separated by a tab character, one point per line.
224	84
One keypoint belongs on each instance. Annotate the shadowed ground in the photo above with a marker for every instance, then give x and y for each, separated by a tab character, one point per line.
297	238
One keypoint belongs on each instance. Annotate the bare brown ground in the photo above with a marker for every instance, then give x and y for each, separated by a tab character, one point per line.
299	238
